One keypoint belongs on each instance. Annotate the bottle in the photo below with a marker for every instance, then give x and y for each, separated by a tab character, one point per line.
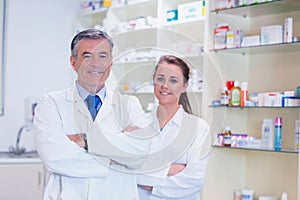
278	134
297	131
267	134
235	94
227	137
224	97
244	93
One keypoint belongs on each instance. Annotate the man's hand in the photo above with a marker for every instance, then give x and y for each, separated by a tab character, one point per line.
78	139
175	169
149	188
130	128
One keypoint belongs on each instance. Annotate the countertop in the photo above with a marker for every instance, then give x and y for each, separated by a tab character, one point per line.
20	161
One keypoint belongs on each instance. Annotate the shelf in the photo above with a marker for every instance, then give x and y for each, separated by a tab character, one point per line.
292	151
263	49
261	9
134	3
183	22
251	107
146	29
88	13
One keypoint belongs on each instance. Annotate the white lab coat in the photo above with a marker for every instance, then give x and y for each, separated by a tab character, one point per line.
75	174
187	184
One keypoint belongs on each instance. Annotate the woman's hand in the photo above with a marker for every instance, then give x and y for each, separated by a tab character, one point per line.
78	139
175	169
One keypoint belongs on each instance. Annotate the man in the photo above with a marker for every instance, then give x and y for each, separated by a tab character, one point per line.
62	119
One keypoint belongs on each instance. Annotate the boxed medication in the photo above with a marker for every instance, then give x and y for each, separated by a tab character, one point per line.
271	34
191	10
220	34
288	30
253	40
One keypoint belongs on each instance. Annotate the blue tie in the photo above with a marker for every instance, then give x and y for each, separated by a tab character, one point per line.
92	103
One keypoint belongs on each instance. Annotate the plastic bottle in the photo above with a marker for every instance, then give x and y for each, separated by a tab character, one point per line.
244	93
267	134
278	134
297	132
227	137
235	95
224	97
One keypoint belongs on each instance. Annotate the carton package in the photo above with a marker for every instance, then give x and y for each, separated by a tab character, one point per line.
191	10
271	34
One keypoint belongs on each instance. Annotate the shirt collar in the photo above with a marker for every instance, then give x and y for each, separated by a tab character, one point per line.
176	119
83	93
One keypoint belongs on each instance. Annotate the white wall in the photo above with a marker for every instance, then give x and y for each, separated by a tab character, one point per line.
37	59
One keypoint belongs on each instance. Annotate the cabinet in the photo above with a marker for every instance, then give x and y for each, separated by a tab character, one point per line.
22	181
142	33
266	68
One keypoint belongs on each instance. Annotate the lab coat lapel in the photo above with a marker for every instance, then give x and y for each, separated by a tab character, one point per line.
106	107
82	115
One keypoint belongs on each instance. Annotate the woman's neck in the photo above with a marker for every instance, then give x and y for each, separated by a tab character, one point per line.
165	113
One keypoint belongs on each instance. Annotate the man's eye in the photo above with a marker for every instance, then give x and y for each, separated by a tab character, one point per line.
103	56
87	56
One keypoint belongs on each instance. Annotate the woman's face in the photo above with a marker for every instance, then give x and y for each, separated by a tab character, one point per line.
93	63
168	83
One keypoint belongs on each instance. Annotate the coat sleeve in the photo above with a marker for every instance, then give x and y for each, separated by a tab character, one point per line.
57	152
192	178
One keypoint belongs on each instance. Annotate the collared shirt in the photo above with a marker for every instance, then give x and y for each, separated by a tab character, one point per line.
168	133
83	93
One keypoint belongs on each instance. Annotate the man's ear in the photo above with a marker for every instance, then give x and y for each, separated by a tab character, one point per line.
73	63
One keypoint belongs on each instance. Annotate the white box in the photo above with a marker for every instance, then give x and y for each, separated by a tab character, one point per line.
271	34
191	10
288	30
253	40
230	42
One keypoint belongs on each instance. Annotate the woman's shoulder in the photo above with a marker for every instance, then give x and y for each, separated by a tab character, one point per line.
190	117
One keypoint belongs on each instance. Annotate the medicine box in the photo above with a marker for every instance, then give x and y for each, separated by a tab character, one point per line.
271	34
191	10
253	40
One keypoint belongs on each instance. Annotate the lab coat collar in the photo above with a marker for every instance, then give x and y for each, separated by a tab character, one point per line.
106	108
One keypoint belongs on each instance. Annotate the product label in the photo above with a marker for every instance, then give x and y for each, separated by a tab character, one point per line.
227	140
235	97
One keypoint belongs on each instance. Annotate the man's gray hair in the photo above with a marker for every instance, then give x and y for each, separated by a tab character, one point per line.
93	34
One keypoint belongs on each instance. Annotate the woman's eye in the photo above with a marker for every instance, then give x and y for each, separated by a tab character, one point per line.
160	79
173	81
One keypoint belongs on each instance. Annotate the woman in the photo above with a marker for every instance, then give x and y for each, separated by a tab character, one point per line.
180	134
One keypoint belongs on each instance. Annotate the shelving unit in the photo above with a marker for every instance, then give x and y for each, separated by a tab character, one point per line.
153	38
266	68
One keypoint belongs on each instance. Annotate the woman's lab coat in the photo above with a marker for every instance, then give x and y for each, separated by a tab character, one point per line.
187	184
75	174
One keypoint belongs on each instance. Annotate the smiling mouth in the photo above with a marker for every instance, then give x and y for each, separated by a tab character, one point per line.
164	93
97	72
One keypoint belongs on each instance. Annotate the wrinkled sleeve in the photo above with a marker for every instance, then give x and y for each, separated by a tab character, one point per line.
57	152
192	178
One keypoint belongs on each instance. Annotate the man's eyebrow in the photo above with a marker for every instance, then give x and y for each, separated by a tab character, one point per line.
86	52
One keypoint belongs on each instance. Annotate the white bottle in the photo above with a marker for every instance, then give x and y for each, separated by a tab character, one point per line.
267	134
297	132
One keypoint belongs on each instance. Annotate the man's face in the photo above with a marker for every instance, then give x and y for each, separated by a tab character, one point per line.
93	63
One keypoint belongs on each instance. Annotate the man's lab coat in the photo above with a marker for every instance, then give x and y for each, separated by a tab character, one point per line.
75	174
